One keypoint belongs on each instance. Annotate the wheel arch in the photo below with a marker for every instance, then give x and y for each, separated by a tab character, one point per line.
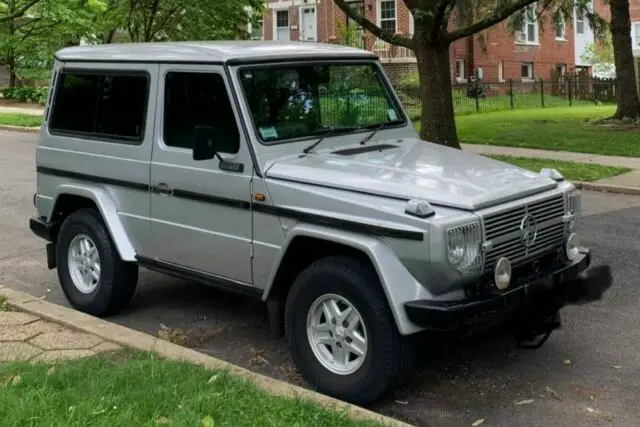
373	250
71	197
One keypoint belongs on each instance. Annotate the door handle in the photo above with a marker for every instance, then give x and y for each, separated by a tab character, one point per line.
163	188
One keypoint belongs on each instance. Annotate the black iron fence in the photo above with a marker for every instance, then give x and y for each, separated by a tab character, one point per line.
483	96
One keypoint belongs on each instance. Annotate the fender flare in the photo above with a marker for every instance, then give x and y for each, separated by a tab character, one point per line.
105	204
398	285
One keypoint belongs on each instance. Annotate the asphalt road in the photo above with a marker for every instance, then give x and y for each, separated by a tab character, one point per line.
587	373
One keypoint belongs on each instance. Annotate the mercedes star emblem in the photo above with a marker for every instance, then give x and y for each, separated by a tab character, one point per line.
528	230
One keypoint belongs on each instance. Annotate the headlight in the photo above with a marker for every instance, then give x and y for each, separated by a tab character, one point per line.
572	247
464	247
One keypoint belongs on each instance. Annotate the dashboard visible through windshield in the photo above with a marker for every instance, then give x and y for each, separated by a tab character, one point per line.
293	102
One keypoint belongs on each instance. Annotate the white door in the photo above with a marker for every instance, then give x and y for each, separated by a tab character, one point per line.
308	22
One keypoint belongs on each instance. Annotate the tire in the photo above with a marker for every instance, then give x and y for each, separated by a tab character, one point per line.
389	356
116	283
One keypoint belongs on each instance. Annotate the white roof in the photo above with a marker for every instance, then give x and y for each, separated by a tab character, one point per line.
209	52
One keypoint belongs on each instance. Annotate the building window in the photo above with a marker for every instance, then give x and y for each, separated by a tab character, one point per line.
388	15
579	22
561	69
198	99
561	29
528	32
479	73
526	71
459	69
636	37
500	71
109	106
282	25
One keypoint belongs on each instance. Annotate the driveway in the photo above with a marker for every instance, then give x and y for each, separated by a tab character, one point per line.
586	374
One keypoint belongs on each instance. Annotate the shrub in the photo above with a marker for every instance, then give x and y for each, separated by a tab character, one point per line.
27	94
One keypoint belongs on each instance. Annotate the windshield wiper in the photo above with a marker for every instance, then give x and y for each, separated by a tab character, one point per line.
331	131
377	128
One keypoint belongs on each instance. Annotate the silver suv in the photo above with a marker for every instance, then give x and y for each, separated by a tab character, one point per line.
291	172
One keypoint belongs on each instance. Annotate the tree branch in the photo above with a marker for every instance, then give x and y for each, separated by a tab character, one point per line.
498	16
162	23
373	28
20	12
439	15
148	25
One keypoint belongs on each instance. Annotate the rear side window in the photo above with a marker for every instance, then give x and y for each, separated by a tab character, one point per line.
98	105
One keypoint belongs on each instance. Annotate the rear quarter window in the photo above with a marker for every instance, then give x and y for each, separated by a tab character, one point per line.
99	105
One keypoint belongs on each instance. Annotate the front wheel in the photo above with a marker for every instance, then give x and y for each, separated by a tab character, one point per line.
342	334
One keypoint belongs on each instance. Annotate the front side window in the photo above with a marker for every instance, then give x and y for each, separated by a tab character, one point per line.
305	101
198	99
101	105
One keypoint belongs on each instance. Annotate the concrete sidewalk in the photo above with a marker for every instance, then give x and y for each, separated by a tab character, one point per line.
26	337
37	110
619	161
627	183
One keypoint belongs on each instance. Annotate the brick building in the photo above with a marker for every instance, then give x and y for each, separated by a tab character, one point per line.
534	52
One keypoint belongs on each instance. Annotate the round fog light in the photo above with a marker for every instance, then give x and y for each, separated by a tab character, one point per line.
502	273
572	247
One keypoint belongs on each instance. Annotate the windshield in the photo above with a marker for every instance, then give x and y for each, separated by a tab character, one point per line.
307	101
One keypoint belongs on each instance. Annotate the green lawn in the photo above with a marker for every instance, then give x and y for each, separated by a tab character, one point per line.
560	129
464	105
16	119
136	389
570	170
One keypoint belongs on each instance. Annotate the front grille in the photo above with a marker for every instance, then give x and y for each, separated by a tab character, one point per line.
502	229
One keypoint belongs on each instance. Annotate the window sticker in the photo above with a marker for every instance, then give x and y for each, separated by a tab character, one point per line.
391	113
268	132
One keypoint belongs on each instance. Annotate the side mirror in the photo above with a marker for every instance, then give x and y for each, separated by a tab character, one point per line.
204	147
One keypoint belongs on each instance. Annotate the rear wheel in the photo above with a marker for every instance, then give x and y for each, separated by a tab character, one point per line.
342	334
93	277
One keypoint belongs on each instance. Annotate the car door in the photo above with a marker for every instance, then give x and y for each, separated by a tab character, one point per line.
200	216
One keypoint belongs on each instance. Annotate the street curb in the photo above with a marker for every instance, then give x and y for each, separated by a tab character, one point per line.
144	342
607	188
20	129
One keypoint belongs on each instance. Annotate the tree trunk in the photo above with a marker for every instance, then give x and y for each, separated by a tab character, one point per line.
11	67
627	101
436	93
107	37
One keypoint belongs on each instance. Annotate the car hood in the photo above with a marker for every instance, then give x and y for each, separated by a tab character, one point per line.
411	168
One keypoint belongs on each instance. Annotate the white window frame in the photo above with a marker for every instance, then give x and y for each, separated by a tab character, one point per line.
561	25
635	35
579	21
460	68
531	76
379	14
522	35
412	24
282	8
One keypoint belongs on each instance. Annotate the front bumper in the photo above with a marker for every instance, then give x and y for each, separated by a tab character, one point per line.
556	287
41	228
